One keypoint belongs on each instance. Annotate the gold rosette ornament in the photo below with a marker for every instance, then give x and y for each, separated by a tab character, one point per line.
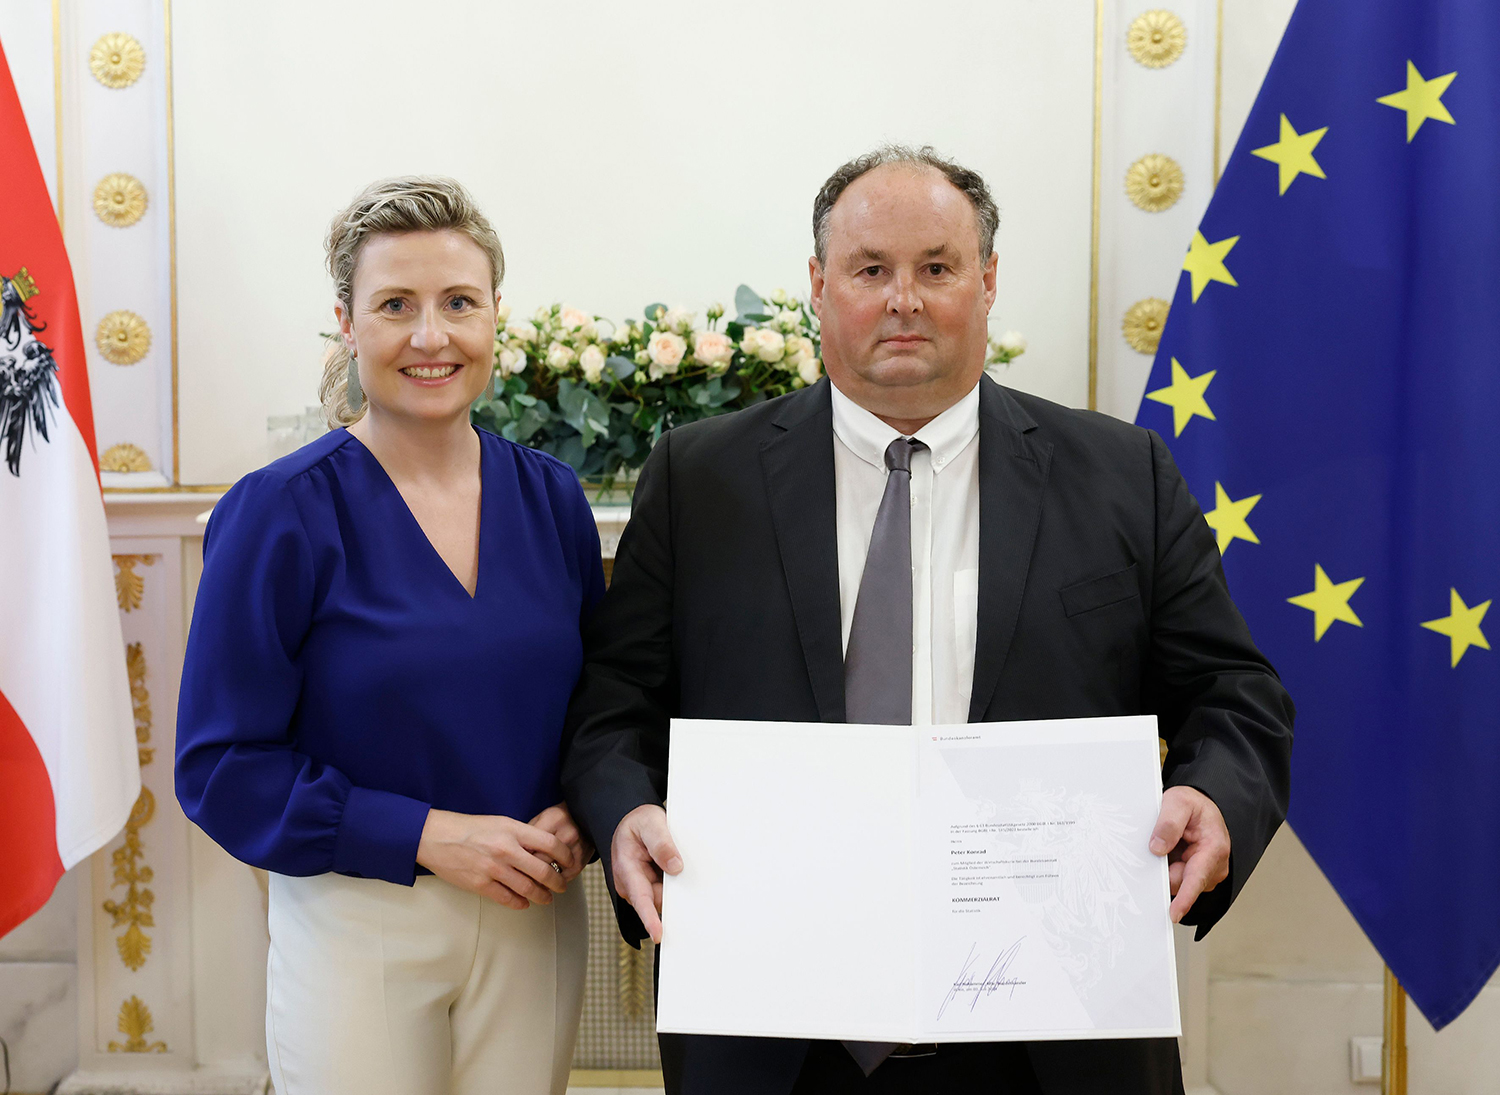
123	337
1154	182
117	60
1143	324
1156	38
124	457
120	200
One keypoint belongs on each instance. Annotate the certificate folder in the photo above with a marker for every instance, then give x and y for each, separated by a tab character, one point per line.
983	882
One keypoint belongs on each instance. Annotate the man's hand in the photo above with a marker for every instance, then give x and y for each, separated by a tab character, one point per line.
496	857
641	850
559	822
1192	832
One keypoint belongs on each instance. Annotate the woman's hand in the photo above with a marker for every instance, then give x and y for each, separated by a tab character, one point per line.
557	821
496	857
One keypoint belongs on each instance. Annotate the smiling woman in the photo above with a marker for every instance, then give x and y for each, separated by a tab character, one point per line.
384	641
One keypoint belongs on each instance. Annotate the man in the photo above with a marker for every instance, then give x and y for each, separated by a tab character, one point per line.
907	541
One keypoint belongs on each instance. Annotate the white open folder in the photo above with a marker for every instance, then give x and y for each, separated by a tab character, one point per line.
984	882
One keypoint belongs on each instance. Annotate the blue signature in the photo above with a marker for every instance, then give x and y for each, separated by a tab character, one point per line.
992	982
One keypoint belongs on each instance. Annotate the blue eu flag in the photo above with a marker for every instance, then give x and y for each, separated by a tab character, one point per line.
1330	382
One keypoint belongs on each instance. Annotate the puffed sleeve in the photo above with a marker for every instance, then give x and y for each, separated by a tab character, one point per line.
238	776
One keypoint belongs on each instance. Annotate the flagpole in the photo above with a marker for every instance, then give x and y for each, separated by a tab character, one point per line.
1393	1054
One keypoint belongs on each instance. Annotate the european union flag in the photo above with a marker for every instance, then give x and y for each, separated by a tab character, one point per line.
1330	382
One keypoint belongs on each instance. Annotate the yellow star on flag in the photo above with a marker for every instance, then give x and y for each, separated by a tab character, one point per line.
1293	154
1184	396
1461	625
1328	601
1227	518
1205	261
1421	100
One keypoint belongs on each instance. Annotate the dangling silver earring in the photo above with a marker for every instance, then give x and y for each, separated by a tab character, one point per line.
356	393
488	393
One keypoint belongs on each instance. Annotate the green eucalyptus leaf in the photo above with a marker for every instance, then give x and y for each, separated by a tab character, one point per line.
650	311
620	365
572	451
747	300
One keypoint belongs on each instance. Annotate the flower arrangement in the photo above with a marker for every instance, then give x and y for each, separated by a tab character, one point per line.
598	394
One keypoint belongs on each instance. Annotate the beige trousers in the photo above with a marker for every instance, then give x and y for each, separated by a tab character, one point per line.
376	989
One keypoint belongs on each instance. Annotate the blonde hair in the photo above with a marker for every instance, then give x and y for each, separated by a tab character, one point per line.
410	203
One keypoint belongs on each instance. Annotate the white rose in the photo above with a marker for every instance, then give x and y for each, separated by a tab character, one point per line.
522	332
502	314
623	332
666	350
511	362
1012	343
715	311
559	357
810	369
572	319
713	348
591	361
676	319
778	296
766	344
787	319
541	315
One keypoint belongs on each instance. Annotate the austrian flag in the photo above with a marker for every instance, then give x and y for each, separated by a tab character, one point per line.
68	766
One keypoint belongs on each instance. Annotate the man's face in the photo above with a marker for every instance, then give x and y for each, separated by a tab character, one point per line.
902	295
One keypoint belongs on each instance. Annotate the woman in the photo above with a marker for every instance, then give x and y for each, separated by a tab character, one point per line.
384	640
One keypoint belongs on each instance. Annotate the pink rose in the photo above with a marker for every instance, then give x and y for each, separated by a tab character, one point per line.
713	348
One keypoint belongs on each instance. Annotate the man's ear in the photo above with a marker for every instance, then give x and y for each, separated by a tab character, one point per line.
815	278
991	279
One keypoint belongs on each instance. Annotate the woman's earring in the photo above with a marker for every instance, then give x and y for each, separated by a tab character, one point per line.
356	393
489	389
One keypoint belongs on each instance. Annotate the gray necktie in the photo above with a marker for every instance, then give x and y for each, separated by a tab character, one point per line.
877	663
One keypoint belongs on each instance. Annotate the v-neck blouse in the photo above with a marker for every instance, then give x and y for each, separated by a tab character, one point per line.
340	681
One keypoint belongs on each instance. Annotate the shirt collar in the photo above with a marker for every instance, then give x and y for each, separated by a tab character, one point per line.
867	436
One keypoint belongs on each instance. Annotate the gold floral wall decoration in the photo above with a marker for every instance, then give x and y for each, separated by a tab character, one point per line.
117	60
1154	182
135	1023
120	200
634	975
131	871
122	337
1143	324
140	697
129	586
1156	38
124	457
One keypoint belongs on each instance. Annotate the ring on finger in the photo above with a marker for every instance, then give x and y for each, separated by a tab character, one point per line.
556	868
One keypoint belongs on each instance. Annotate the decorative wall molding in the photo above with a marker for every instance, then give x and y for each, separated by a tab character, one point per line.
123	337
117	60
119	200
1160	81
114	134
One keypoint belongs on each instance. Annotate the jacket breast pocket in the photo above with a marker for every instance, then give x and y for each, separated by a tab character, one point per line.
1100	592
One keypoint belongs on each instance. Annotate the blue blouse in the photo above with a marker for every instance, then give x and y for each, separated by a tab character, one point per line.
340	681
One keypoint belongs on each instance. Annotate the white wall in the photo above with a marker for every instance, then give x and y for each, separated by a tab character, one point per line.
664	150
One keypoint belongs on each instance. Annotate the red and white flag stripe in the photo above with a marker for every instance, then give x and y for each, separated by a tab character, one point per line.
69	773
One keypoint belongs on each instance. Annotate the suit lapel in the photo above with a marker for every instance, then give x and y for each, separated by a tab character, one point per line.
1012	478
798	464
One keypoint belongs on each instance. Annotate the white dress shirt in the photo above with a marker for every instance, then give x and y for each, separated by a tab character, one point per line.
944	542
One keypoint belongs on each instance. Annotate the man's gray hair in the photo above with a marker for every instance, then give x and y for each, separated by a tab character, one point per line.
970	182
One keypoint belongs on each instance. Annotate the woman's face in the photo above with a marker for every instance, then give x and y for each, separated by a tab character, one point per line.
422	323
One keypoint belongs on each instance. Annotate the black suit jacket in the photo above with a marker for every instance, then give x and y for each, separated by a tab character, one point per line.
1100	593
